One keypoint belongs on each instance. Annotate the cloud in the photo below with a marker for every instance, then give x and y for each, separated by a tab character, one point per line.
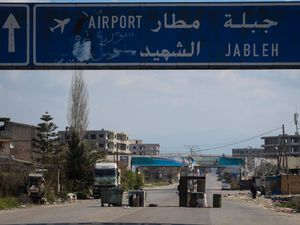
173	108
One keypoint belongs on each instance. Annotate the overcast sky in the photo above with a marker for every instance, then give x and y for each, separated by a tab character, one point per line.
173	107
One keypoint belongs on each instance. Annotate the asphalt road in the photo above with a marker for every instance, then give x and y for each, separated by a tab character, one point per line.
90	212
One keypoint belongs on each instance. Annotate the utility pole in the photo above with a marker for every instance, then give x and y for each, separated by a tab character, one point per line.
285	158
192	149
117	158
280	152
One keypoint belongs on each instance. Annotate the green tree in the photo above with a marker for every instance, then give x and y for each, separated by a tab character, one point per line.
91	156
128	180
80	161
75	161
46	141
131	180
139	180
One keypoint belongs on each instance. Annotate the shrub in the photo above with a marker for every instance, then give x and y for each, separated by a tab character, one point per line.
82	195
62	195
9	203
139	181
131	180
50	195
9	186
285	205
128	180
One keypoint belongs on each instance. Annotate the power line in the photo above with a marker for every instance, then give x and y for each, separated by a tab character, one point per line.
196	148
239	142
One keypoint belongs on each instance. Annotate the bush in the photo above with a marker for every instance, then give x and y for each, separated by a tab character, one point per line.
286	205
50	196
128	180
9	203
9	186
131	180
82	194
62	195
296	202
139	181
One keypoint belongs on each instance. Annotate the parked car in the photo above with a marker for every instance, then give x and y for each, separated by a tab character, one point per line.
225	186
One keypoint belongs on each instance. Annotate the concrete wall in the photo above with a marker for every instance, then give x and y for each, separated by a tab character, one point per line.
293	162
20	136
294	184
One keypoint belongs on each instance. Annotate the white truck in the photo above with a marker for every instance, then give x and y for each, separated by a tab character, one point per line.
106	175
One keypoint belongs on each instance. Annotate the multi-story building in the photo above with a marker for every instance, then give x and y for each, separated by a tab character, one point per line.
272	145
108	141
247	152
137	147
16	139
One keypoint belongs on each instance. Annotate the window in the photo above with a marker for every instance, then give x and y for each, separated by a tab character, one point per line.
101	135
101	145
93	136
2	127
105	172
134	147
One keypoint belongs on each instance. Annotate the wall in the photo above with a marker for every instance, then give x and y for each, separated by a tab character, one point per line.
20	136
294	184
293	162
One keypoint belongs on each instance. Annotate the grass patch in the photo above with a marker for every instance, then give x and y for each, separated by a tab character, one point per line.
8	203
286	205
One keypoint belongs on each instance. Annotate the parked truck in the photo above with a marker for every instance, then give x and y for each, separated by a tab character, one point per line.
106	175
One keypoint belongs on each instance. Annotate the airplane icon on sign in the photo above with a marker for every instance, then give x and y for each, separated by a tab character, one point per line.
60	24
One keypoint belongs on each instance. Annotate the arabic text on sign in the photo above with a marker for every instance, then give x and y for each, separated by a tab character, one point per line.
266	24
176	24
166	54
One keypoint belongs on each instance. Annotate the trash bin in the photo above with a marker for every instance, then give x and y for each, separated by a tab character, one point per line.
137	198
112	196
217	200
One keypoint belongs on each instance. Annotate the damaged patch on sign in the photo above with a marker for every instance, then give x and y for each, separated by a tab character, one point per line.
82	50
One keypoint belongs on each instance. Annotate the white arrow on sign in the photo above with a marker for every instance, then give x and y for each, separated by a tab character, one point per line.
11	24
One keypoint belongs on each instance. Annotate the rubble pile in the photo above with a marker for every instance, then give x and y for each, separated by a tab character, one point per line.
273	203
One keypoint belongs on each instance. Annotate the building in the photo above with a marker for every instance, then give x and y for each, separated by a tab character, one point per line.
247	152
137	147
111	142
16	140
272	144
